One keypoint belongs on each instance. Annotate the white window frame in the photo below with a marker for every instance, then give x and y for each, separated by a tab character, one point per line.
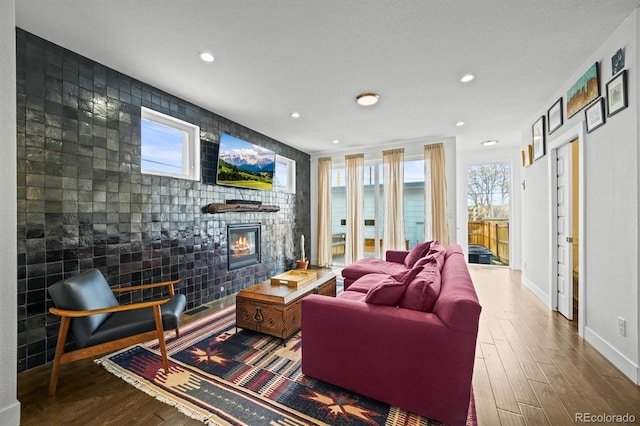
190	144
290	186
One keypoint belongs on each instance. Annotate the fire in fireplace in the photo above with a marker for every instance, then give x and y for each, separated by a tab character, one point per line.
243	242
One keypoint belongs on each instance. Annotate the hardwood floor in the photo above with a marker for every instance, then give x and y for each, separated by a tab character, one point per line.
531	368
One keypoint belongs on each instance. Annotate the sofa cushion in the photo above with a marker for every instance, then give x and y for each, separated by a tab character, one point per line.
423	291
356	296
371	266
366	282
386	292
416	253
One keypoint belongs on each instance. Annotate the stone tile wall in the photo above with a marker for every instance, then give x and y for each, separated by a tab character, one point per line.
83	202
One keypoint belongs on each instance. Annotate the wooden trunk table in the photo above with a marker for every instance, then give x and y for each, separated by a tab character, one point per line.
275	309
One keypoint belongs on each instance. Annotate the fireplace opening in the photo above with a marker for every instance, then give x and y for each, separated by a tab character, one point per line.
243	245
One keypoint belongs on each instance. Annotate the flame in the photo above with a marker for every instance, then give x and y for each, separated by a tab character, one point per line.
242	246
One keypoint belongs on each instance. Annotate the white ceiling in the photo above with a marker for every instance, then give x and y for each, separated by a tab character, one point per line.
273	57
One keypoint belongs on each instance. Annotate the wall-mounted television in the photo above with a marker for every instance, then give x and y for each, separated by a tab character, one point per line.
243	164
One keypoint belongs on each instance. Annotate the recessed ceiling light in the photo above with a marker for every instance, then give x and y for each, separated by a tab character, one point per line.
460	123
490	142
295	114
467	78
206	56
336	141
367	99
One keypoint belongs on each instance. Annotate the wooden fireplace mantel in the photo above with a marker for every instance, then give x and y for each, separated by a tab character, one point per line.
228	208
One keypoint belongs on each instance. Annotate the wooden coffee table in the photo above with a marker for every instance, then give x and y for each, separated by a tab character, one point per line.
275	309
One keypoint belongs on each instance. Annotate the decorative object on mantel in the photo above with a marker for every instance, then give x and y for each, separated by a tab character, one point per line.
229	208
303	263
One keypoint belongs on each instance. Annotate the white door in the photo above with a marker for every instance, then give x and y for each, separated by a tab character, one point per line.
564	226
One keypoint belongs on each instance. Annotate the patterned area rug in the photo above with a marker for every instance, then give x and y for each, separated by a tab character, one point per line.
224	377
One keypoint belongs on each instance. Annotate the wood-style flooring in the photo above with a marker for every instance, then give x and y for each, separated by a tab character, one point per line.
531	368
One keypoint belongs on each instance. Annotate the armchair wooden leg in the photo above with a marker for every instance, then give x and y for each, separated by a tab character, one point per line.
163	349
62	338
177	332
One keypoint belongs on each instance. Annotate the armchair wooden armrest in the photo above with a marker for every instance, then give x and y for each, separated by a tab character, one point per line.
119	308
169	284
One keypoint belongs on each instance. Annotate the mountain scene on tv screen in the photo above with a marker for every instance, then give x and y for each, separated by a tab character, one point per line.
249	167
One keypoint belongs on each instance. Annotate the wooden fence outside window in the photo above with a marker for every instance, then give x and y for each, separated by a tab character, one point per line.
492	234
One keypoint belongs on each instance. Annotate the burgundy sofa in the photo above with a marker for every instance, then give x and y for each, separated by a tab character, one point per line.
396	262
407	342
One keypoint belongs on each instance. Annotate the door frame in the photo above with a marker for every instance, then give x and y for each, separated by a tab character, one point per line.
576	132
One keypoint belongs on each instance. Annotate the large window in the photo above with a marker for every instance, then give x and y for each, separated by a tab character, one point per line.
170	147
414	211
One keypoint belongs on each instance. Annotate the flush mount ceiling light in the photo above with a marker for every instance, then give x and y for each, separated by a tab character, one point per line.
460	123
295	114
490	142
367	99
206	56
467	78
336	141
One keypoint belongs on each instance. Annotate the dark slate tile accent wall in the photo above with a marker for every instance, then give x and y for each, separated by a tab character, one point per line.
83	202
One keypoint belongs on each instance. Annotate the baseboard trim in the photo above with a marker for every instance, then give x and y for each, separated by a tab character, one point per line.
10	415
536	290
624	364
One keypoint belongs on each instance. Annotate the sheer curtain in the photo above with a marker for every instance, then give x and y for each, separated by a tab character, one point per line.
393	195
435	169
324	212
354	245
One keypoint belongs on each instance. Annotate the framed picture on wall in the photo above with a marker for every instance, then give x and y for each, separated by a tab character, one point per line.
584	91
537	134
594	115
554	116
617	93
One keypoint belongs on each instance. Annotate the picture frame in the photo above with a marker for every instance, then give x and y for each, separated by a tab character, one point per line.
584	91
594	115
617	94
538	139
617	62
527	155
554	116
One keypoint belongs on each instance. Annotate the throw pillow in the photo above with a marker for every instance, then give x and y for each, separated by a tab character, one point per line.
387	292
421	293
436	247
416	253
366	282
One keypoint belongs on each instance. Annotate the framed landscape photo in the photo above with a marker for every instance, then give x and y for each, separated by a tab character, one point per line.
537	134
554	116
594	115
617	93
584	91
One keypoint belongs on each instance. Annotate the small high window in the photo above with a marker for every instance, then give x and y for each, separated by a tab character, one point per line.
170	147
285	176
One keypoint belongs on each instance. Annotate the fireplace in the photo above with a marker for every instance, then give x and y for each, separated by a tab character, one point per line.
243	245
